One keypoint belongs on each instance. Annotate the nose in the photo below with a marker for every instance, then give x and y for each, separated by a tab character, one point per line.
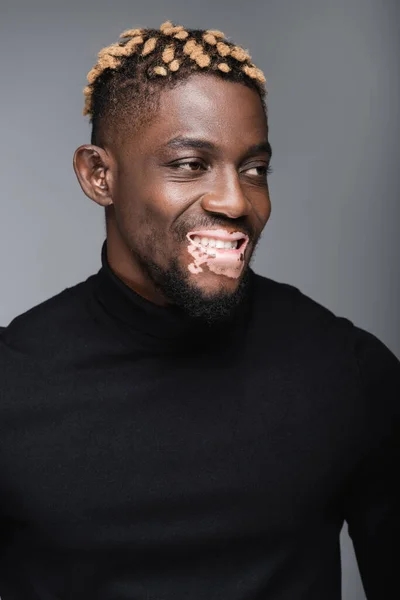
227	197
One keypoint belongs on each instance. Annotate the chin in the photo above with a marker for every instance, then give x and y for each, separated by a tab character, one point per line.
211	283
206	296
213	300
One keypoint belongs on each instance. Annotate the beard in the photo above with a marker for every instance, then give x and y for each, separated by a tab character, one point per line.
211	309
175	284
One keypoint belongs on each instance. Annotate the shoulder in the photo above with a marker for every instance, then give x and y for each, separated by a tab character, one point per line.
38	331
290	309
290	305
306	324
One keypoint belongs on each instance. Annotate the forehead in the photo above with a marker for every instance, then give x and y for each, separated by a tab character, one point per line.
226	113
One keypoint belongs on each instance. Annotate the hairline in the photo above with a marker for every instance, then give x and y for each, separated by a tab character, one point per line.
104	122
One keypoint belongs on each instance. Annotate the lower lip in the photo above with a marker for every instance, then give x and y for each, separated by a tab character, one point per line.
226	261
224	254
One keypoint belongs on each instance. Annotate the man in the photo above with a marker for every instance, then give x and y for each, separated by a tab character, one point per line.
177	426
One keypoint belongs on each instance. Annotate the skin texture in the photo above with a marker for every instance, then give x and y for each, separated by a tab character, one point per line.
157	190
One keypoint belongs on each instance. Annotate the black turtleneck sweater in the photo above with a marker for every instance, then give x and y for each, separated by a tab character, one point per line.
145	457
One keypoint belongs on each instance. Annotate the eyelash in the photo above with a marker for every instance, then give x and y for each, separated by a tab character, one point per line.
268	169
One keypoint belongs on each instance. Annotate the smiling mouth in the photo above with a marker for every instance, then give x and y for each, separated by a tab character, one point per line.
219	241
216	244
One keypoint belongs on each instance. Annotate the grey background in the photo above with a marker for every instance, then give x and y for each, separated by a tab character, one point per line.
334	83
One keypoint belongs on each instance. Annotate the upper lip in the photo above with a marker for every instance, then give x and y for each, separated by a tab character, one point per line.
221	234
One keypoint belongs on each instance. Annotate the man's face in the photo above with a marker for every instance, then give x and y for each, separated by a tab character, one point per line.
200	164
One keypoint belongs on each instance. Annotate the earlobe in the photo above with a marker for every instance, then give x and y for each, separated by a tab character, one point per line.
91	166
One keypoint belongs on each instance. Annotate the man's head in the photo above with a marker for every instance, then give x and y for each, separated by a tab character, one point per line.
179	158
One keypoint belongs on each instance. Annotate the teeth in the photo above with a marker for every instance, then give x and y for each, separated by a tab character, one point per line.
214	243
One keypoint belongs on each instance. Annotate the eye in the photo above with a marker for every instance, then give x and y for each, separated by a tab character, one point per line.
258	171
190	165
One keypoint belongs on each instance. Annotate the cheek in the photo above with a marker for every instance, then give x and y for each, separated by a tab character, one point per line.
267	210
138	208
144	224
261	204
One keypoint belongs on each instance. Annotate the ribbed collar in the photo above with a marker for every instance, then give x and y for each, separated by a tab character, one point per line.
158	324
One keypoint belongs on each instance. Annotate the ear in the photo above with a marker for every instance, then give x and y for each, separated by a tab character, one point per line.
92	168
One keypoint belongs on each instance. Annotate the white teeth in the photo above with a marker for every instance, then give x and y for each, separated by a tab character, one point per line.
214	243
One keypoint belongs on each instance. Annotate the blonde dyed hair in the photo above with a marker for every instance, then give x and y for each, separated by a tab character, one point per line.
127	69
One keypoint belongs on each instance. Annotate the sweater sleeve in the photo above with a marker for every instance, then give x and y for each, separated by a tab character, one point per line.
372	503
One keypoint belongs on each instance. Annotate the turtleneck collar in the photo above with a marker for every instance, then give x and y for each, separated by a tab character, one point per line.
157	323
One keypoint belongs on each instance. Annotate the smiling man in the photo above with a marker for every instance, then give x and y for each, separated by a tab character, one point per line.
177	426
182	167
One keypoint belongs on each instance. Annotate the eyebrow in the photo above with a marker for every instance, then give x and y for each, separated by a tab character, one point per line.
262	148
181	143
184	142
